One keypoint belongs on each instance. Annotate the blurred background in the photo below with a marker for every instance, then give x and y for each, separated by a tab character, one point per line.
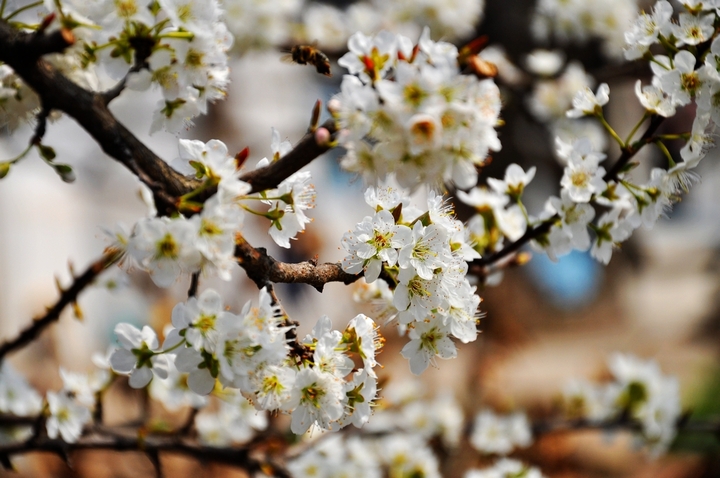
545	322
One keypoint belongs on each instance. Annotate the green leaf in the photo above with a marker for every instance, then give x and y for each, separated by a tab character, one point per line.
46	152
629	167
4	169
200	169
66	172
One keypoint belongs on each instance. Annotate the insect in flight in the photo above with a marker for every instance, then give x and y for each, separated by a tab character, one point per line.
309	55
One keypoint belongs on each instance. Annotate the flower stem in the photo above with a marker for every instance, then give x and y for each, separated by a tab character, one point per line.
610	130
666	152
637	126
20	10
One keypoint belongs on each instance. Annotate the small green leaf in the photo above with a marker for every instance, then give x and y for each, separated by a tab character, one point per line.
66	172
629	167
46	152
200	169
4	169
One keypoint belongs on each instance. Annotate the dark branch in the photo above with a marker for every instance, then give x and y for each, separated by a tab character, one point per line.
529	235
622	422
629	151
625	156
31	45
240	457
303	154
67	297
40	126
22	52
194	283
143	50
264	270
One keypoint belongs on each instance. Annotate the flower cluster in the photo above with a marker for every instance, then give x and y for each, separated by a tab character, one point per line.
422	257
355	457
500	213
407	422
169	246
337	455
679	78
67	410
18	398
70	408
585	20
639	391
406	408
506	468
281	22
683	75
494	434
315	380
235	422
407	110
17	101
181	46
553	93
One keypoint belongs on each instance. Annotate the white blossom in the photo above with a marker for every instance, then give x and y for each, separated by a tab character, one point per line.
139	355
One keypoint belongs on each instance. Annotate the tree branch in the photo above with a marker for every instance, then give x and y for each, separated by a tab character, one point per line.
264	270
302	154
153	444
22	52
625	156
67	297
622	422
629	151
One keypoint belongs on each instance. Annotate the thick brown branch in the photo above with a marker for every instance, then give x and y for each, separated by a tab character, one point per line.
240	457
22	52
67	297
303	154
264	270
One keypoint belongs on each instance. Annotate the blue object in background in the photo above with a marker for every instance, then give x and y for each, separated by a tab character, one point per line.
570	283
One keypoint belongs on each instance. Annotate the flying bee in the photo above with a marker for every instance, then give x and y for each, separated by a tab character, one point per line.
309	55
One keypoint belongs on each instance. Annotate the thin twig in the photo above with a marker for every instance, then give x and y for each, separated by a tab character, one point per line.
40	126
621	423
304	152
187	426
67	297
152	445
143	50
194	282
625	156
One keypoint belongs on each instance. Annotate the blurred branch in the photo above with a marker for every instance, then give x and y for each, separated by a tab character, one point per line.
623	422
9	420
67	296
264	270
151	444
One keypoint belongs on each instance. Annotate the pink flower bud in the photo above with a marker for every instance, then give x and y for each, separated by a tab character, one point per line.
334	105
322	136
